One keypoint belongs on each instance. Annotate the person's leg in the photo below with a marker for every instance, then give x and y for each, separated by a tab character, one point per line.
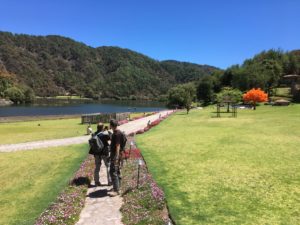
119	177
115	177
97	169
107	165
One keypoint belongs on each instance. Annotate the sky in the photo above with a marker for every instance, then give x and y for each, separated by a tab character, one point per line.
213	32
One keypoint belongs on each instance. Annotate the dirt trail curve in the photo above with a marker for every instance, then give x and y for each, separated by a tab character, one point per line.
130	127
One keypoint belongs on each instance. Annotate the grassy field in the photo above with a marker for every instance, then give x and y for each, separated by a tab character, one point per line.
31	180
17	132
241	170
46	129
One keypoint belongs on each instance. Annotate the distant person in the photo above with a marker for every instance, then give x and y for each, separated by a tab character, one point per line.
104	155
115	158
149	123
89	130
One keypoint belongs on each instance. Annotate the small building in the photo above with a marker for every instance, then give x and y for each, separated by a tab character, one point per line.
281	102
103	117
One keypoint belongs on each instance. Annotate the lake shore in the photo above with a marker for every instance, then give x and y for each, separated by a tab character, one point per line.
4	102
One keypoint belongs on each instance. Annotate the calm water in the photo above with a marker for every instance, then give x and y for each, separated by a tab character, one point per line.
68	108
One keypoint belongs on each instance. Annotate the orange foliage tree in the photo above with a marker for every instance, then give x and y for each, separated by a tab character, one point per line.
255	95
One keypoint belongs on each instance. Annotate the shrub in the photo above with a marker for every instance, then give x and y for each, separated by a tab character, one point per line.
15	94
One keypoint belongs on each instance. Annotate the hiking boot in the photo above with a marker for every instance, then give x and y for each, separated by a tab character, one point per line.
97	183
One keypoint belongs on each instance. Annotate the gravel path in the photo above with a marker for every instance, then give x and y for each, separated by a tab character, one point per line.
127	128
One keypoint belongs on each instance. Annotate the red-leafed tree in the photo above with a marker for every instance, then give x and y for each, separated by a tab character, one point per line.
255	95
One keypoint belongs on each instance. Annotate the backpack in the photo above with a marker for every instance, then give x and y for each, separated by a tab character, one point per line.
96	145
123	142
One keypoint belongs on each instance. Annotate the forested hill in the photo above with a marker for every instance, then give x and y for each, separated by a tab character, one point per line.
54	65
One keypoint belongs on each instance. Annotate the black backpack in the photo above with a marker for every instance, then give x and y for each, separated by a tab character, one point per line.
123	142
96	145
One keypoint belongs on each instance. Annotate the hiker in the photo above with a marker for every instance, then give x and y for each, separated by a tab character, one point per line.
89	130
109	132
104	155
115	158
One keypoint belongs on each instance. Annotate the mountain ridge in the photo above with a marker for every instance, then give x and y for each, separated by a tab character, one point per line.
55	65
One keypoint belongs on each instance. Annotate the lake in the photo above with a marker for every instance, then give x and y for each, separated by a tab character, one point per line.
67	107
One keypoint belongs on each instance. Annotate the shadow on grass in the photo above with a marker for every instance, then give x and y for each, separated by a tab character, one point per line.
181	114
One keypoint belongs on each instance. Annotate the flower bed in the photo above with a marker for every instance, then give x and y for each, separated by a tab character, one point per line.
144	204
121	122
144	201
68	205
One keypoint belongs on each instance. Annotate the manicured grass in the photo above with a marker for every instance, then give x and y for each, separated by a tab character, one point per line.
18	132
31	180
242	170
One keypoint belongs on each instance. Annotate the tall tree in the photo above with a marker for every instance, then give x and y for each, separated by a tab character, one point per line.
205	90
182	96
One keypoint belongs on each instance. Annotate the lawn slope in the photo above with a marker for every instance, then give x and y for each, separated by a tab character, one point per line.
18	132
31	180
241	170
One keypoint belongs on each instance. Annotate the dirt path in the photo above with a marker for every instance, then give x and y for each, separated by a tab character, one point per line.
132	126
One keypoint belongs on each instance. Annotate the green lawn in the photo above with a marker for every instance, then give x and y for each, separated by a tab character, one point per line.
31	180
17	132
243	170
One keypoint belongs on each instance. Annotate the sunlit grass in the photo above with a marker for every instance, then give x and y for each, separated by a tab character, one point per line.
17	132
31	180
242	170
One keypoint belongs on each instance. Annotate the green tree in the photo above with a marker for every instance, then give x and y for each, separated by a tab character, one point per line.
228	93
15	94
29	95
182	96
205	90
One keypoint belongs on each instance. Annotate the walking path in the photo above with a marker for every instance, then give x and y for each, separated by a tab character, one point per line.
99	209
130	127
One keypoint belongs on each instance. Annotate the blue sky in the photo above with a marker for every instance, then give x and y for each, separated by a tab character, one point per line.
214	32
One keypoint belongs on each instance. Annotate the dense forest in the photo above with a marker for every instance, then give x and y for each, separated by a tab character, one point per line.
265	70
269	71
54	65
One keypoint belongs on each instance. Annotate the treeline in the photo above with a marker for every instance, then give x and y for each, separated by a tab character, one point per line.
265	71
54	65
